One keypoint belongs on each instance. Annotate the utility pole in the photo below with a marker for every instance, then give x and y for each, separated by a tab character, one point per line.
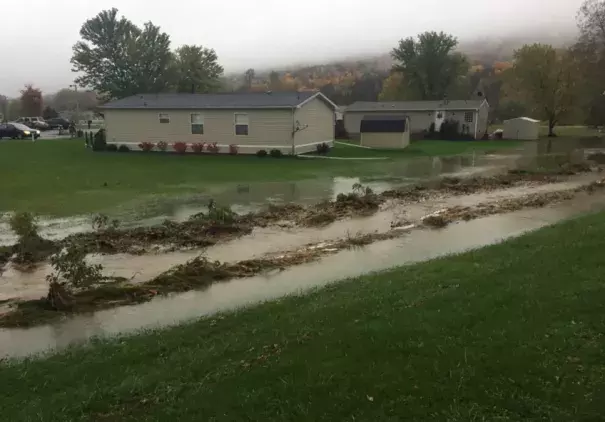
75	87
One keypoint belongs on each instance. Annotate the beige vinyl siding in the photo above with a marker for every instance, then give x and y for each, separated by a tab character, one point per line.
266	127
318	118
421	120
385	140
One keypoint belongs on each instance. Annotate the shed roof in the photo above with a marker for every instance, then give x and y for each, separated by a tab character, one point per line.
525	119
383	124
415	105
246	100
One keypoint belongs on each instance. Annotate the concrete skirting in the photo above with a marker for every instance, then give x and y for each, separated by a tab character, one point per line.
242	149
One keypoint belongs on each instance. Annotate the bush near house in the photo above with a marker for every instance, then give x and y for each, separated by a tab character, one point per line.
162	146
323	148
99	141
111	147
213	148
198	147
180	147
261	153
233	149
123	148
276	153
146	146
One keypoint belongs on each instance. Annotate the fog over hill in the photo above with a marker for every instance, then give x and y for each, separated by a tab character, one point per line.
485	49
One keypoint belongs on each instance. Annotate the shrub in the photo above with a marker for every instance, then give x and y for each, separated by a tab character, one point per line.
99	141
261	153
450	130
162	146
71	269
322	148
198	147
23	224
101	222
146	146
180	147
30	246
111	147
123	148
276	153
80	133
216	214
233	149
213	148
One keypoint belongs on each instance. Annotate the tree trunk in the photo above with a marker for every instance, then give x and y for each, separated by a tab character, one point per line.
551	128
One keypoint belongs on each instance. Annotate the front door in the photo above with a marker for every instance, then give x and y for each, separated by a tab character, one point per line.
439	118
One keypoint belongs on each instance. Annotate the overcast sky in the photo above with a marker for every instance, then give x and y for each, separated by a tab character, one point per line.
257	33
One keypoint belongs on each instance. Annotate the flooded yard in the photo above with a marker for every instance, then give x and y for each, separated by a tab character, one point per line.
305	256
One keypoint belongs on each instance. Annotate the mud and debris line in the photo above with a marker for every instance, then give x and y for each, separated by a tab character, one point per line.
199	273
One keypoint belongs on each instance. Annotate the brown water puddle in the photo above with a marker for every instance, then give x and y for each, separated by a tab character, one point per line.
139	268
415	246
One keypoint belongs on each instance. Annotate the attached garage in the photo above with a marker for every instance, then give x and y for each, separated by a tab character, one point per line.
385	131
522	128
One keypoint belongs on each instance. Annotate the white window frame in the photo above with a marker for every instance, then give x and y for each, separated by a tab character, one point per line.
235	124
167	118
191	123
472	117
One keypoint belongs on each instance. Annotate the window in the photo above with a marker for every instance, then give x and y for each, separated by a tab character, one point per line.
241	124
197	124
164	117
468	117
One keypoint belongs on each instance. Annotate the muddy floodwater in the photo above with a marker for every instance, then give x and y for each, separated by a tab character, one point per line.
17	284
415	246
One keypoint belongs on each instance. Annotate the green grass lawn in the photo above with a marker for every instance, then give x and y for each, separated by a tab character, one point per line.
61	177
511	332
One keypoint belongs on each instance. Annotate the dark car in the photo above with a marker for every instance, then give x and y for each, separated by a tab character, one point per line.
17	131
58	122
34	122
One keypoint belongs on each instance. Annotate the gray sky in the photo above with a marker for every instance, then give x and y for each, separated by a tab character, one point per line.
258	33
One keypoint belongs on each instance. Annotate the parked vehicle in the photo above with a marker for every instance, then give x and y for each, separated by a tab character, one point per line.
16	130
34	122
58	122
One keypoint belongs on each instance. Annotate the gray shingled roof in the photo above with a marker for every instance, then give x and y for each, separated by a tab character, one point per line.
415	105
211	101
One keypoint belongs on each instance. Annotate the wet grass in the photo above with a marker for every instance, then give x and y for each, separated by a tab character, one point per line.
509	332
61	177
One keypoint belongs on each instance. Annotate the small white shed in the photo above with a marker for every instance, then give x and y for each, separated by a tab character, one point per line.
389	132
522	128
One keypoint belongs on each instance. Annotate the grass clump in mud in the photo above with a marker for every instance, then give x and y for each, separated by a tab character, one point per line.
216	214
102	222
362	201
30	247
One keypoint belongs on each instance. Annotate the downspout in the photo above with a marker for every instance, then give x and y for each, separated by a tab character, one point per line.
476	124
293	131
